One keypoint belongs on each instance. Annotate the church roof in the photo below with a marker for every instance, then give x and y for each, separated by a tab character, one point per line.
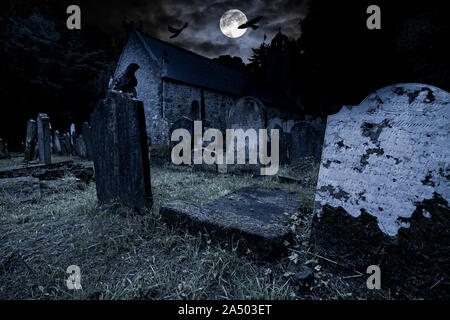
190	68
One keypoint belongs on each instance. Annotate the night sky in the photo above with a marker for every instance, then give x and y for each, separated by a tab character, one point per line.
203	35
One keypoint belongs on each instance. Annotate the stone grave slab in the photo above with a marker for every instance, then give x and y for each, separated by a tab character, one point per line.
256	218
23	189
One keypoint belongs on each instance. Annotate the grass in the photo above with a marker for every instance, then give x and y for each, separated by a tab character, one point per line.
124	256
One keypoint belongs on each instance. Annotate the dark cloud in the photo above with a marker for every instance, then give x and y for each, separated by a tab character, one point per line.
203	35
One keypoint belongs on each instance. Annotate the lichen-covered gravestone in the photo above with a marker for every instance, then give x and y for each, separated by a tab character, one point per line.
44	139
383	187
119	138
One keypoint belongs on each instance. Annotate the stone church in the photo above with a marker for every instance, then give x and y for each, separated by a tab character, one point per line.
174	83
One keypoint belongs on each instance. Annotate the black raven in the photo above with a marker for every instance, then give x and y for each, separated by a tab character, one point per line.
251	24
176	32
127	81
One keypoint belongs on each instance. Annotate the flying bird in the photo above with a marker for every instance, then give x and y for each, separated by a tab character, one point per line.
251	24
127	81
176	32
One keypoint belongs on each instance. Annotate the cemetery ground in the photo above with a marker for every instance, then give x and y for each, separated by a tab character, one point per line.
129	256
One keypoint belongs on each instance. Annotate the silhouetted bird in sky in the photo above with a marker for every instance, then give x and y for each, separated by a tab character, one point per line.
251	24
176	32
127	81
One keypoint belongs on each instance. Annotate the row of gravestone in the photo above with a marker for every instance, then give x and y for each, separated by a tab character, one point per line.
40	142
297	139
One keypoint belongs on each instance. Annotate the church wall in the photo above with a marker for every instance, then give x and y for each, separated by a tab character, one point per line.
184	100
178	99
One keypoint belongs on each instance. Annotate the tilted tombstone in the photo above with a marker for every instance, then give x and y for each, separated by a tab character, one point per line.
122	166
246	113
31	139
43	129
86	133
383	188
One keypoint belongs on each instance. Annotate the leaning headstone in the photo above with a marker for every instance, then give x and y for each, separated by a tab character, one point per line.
45	154
122	166
31	139
86	133
247	113
384	183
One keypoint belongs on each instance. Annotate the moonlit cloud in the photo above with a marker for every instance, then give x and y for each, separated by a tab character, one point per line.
203	35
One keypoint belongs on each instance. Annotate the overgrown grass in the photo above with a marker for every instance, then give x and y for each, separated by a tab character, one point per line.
124	256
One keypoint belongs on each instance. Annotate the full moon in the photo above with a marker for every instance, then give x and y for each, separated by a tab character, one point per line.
230	22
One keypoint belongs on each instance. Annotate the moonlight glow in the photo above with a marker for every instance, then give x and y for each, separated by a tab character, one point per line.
230	22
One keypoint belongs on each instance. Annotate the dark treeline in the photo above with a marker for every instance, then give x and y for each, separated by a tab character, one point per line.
336	61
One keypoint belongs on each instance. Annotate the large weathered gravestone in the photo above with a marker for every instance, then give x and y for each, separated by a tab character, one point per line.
43	131
122	166
384	178
252	218
31	139
247	113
